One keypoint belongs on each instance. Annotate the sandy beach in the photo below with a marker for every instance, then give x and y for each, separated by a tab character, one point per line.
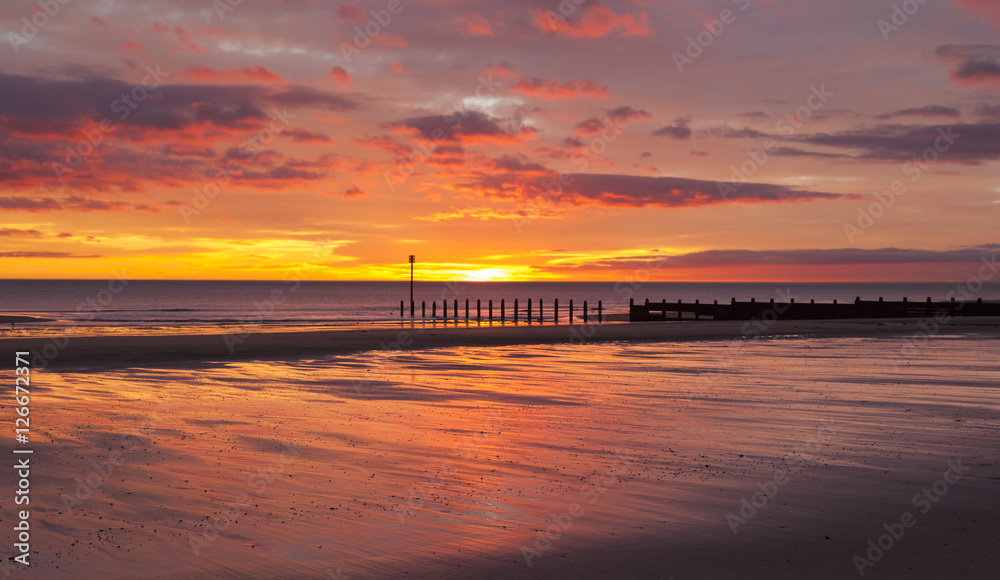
518	453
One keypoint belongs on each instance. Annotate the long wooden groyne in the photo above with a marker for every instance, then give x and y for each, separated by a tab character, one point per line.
519	312
542	311
811	310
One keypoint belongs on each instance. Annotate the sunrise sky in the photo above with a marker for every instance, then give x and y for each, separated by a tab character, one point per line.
517	139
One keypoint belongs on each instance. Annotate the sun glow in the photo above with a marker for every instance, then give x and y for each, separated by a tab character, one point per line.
486	275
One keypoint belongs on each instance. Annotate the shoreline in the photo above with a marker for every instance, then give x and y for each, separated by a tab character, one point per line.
75	352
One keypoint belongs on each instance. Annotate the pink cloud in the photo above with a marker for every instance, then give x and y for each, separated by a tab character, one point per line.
341	76
475	24
349	11
554	90
595	20
991	8
254	73
502	70
303	136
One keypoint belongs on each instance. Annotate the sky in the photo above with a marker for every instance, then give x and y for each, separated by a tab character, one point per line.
709	140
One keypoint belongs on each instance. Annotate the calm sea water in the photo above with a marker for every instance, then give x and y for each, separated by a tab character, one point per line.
158	303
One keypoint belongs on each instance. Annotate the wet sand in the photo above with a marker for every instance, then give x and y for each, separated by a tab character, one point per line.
72	352
450	462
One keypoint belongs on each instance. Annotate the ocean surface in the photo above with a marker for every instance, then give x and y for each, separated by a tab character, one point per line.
166	304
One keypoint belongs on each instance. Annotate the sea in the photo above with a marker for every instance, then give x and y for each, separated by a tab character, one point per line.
167	305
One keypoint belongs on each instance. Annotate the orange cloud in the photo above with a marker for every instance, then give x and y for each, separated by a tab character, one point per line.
488	213
353	192
254	73
71	203
554	90
475	24
595	21
341	76
502	70
132	48
348	11
303	136
988	7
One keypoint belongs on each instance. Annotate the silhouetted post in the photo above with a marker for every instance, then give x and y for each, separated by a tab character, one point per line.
400	308
715	309
503	312
411	283
411	309
423	309
529	309
571	311
555	311
491	310
444	309
434	309
515	310
541	317
585	311
479	310
600	313
664	315
466	308
456	309
696	309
